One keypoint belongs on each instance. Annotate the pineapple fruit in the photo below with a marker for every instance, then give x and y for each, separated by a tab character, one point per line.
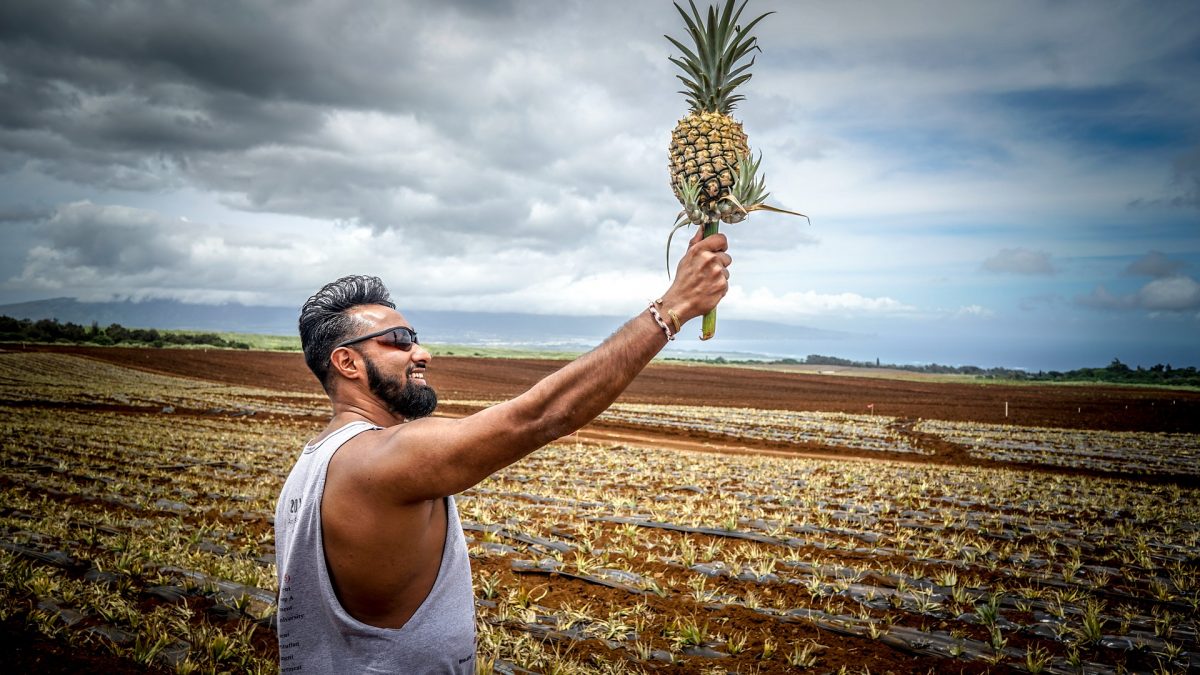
712	172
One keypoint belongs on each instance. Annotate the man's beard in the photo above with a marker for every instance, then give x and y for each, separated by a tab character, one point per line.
408	400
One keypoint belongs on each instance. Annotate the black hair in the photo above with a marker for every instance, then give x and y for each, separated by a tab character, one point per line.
324	322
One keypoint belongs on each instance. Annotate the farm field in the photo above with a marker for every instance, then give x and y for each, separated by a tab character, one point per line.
714	520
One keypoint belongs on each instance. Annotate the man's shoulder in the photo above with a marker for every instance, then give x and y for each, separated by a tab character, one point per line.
350	430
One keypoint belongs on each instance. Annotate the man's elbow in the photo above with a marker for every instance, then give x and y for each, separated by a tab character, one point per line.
551	424
555	428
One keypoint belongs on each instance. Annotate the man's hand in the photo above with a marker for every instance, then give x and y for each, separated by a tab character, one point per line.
701	279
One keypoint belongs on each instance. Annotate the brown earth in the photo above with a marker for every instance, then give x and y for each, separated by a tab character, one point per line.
1106	407
29	652
1102	407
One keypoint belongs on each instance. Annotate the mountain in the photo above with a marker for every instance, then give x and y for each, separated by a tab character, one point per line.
436	326
168	314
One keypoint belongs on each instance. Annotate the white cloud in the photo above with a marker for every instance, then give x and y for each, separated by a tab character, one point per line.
1170	294
611	293
977	311
790	307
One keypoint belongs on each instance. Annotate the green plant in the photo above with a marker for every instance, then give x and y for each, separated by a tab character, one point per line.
989	611
803	656
768	649
736	643
1092	621
1036	658
687	633
527	597
996	639
489	585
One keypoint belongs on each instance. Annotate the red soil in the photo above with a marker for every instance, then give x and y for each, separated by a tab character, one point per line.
1068	406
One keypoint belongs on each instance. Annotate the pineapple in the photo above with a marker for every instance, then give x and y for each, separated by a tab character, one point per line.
707	145
712	173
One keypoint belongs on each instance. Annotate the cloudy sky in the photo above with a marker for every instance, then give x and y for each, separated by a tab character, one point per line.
1011	183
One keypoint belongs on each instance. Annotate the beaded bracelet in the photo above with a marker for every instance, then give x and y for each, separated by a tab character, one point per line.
675	322
661	324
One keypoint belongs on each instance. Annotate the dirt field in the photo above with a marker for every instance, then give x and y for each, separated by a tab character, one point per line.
843	566
1064	406
1098	407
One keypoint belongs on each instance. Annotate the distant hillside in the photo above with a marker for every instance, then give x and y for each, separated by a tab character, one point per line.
436	326
161	314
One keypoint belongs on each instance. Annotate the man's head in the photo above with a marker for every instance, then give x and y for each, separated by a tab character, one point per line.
350	329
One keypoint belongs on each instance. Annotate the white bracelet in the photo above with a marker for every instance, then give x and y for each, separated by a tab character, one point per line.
661	324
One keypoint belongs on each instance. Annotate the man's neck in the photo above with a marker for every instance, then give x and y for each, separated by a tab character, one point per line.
345	412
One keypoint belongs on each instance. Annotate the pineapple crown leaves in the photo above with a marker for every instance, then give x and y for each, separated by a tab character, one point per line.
748	187
749	190
680	222
712	69
690	191
747	195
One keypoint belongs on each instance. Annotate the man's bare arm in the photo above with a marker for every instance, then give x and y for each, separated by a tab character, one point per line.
434	457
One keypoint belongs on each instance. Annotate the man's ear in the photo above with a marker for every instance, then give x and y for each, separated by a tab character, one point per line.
345	362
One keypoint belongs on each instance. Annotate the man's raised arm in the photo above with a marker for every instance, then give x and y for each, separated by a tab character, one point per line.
435	457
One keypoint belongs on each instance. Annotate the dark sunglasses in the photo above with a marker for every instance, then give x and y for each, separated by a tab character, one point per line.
402	337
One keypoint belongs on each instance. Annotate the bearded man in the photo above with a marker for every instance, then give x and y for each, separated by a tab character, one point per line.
373	568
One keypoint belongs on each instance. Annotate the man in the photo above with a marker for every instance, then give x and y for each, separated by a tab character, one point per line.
373	567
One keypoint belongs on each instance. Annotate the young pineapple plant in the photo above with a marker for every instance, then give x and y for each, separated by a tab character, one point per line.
712	172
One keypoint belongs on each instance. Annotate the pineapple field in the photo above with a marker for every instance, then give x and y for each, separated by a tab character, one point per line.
779	535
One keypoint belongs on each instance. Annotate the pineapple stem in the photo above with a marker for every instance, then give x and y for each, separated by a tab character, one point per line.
709	326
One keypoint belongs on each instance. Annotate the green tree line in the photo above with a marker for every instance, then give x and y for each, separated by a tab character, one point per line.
1113	372
50	330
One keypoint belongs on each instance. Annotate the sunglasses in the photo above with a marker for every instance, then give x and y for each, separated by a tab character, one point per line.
401	337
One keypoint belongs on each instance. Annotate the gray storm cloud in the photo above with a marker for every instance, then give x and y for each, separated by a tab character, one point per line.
117	251
116	238
410	116
1020	261
1187	179
1155	264
1169	291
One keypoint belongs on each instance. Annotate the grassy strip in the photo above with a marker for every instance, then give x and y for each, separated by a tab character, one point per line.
491	352
256	341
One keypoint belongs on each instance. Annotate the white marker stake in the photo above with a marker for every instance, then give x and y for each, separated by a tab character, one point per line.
1006	408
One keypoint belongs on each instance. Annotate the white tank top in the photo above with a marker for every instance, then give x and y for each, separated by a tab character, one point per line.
317	635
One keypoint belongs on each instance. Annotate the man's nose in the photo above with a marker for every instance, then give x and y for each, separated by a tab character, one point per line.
421	354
